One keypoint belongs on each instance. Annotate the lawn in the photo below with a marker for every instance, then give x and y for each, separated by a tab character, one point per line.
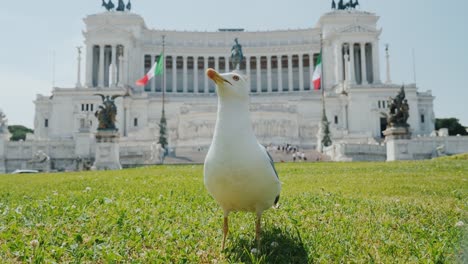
401	212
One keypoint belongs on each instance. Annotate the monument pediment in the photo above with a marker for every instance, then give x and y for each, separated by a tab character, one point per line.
109	32
357	29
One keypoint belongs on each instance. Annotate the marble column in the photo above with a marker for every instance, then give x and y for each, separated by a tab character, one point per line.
101	66
290	74
113	81
226	59
121	62
352	78
280	73
363	63
247	69
205	63
376	61
125	66
338	59
216	58
301	71
174	73
195	74
269	73
259	73
152	82
89	65
347	66
312	69
185	88
78	77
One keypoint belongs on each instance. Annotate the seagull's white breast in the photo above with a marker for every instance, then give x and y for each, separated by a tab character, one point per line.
239	176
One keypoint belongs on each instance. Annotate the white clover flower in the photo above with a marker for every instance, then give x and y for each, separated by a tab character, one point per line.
459	224
87	189
255	251
274	244
34	243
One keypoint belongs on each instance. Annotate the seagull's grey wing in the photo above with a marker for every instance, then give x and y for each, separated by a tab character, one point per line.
272	163
269	158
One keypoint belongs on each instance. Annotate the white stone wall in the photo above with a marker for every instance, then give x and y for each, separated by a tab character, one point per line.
425	147
356	152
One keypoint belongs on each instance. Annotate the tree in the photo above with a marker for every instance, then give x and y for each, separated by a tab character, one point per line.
326	139
163	131
453	125
19	132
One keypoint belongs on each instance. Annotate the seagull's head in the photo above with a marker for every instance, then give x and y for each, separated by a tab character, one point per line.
229	85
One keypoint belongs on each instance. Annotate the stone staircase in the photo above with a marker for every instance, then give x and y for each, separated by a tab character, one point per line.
198	157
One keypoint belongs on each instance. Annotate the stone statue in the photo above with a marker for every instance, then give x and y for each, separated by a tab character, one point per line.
121	6
398	110
349	5
3	122
341	5
129	5
40	157
355	4
109	5
333	5
106	114
236	55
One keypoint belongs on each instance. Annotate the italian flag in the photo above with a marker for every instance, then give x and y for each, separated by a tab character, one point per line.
317	77
156	69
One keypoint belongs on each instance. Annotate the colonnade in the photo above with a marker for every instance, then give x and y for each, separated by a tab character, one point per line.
266	73
357	62
105	62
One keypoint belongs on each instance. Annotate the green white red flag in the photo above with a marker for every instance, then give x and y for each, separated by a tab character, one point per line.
156	69
317	76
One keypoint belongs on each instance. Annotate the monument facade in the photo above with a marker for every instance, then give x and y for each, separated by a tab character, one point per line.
120	48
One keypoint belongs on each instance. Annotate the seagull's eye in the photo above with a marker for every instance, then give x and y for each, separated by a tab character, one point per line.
235	78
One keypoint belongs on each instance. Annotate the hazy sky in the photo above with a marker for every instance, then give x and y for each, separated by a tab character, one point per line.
32	31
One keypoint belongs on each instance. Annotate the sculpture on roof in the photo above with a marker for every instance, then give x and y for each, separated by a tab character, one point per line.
120	7
109	5
398	110
106	114
129	5
236	55
343	6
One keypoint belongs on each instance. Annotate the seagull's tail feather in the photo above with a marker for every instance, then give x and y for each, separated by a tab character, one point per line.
276	204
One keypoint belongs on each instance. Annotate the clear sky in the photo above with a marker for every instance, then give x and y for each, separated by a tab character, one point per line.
33	31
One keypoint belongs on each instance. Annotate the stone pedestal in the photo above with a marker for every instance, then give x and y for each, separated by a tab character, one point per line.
397	140
107	150
397	133
4	137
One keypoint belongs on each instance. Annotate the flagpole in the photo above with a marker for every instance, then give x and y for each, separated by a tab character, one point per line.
164	71
322	81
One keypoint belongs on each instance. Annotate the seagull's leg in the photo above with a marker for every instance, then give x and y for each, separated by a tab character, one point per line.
225	229
258	229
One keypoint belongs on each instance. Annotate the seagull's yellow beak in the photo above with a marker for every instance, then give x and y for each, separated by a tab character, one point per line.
214	75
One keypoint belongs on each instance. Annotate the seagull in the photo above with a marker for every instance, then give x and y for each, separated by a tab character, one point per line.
238	173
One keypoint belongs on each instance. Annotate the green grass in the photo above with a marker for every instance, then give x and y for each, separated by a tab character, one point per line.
402	212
